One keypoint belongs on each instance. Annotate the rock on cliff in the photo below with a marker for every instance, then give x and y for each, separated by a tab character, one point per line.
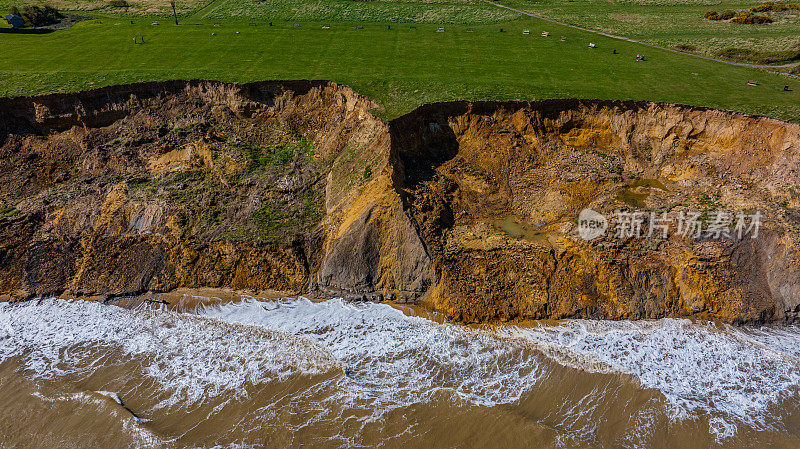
468	207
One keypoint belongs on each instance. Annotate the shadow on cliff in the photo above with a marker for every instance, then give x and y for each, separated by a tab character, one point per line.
90	107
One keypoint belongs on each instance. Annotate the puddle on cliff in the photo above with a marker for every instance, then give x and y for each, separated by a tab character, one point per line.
517	229
331	374
638	192
649	183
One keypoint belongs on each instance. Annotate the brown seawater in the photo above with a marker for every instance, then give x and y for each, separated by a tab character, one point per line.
332	374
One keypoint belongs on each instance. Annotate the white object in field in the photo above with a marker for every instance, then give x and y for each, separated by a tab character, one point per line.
545	34
526	31
440	30
592	45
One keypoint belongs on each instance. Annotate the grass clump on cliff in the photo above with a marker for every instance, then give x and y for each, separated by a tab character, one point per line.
268	218
273	156
7	211
257	188
283	174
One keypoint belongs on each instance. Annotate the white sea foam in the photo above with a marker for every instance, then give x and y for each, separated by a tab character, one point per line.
392	359
732	375
382	359
193	357
6	330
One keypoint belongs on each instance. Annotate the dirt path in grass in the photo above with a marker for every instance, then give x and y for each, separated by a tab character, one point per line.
741	64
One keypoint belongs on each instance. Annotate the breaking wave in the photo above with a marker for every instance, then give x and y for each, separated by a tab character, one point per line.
734	375
337	371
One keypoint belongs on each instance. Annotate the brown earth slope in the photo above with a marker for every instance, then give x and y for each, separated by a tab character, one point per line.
468	207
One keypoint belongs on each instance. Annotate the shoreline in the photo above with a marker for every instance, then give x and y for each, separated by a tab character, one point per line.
187	300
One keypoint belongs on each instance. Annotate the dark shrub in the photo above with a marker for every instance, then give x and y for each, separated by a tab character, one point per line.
763	7
774	6
118	4
38	16
748	17
724	15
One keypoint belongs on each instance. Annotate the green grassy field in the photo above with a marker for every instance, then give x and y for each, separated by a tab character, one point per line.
400	68
389	11
677	23
382	11
680	24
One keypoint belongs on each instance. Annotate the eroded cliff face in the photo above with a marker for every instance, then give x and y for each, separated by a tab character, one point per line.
155	186
495	190
470	208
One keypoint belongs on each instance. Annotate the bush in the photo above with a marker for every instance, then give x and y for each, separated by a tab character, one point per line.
748	17
38	16
724	15
768	6
118	4
774	6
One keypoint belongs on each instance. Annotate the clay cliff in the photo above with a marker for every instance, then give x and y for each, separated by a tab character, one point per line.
469	207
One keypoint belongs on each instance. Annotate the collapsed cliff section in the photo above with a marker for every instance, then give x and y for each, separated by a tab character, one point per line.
470	208
495	190
154	186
